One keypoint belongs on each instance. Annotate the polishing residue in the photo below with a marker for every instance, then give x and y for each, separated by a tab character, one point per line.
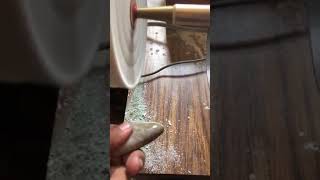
158	157
137	108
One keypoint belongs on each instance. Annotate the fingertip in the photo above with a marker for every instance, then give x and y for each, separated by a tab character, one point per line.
141	163
135	162
134	166
118	173
119	135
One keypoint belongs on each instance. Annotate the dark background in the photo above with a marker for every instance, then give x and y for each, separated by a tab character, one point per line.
266	115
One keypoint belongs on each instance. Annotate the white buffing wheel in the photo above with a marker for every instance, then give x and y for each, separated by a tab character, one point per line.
50	41
127	44
66	35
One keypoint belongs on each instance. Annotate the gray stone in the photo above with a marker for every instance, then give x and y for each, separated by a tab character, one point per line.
143	133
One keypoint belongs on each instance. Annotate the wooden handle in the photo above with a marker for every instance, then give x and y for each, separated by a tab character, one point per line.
190	15
172	2
162	13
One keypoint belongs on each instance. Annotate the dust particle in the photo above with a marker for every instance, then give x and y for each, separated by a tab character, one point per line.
312	146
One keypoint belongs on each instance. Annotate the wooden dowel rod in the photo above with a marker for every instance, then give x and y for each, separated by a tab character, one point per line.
179	14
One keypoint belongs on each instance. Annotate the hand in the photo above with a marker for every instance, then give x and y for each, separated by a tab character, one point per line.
126	166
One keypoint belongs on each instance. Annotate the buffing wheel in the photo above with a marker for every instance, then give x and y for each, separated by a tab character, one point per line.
66	34
50	41
128	43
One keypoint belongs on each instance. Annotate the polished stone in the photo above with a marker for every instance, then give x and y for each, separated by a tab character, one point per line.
143	133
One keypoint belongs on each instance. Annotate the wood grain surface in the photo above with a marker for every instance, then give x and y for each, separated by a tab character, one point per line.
267	109
177	97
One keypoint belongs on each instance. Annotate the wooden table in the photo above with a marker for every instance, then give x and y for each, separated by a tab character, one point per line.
177	97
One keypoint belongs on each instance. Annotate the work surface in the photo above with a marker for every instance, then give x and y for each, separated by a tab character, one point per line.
178	98
267	105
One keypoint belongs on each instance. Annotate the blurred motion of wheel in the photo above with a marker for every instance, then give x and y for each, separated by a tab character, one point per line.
49	41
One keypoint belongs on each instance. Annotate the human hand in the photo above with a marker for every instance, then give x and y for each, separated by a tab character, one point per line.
126	166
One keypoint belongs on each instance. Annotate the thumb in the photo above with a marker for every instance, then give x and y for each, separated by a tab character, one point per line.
119	134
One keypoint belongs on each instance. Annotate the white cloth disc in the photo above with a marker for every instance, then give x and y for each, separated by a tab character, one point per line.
127	44
65	35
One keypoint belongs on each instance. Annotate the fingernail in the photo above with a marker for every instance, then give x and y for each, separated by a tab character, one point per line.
125	126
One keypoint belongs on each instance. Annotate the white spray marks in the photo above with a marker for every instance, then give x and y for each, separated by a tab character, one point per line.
137	108
158	157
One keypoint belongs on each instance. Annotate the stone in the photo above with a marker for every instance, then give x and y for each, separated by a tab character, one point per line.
143	133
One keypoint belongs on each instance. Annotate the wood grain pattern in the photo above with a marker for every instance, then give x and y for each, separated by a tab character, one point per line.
178	98
267	122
